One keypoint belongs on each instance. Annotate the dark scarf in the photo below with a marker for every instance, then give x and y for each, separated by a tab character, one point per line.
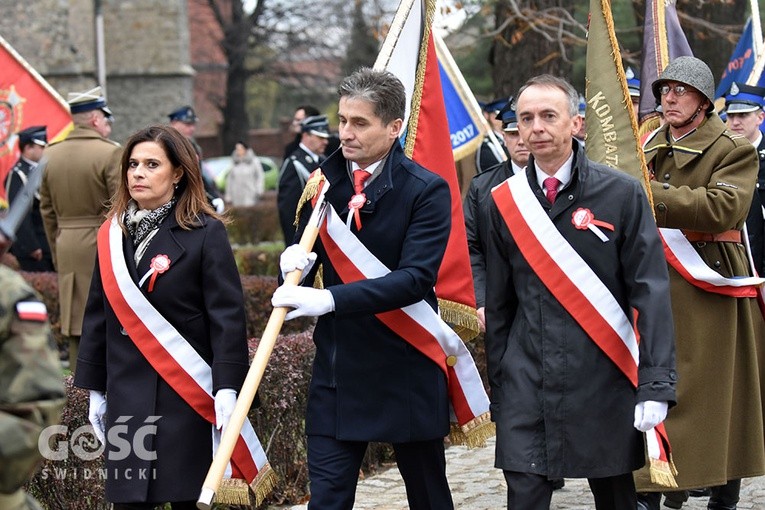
141	222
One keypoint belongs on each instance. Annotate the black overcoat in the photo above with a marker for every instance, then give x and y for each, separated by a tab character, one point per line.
368	384
562	408
201	296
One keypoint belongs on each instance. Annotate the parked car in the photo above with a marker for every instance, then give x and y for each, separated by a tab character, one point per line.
217	169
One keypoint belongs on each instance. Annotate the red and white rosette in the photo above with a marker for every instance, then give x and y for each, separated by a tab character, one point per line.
159	264
357	202
583	219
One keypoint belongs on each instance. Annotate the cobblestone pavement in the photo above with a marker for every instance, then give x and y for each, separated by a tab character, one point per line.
477	485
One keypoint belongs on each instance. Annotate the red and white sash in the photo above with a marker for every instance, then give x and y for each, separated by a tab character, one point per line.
686	261
581	292
174	359
422	327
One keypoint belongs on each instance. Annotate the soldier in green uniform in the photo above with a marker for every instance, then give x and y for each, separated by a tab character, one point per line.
31	387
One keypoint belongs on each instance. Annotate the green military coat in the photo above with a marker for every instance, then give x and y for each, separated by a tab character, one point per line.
704	182
80	179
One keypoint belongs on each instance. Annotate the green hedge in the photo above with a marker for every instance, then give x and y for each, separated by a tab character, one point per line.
255	224
279	423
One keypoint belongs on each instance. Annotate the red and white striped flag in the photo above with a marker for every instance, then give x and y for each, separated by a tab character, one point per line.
409	52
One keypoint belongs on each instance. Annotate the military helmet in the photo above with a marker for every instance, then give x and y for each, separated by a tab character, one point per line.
690	71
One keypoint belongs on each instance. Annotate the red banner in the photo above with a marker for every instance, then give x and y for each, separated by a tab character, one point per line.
26	100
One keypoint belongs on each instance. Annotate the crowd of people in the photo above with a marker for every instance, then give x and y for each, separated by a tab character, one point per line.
607	339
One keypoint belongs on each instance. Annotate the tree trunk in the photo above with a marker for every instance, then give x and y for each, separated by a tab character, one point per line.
518	46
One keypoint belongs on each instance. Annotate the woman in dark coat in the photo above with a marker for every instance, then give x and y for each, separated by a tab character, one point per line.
164	265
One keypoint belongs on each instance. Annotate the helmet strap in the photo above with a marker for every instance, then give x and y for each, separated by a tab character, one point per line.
692	117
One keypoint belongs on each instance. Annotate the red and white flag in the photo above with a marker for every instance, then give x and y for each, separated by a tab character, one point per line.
409	52
26	100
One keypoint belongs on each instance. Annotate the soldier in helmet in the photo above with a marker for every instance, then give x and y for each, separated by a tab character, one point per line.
703	182
31	389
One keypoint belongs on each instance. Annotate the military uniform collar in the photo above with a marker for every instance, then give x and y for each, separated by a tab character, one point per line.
688	148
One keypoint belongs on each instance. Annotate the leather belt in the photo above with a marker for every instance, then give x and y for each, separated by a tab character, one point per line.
729	236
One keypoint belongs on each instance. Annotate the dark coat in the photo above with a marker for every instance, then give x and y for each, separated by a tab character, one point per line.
368	384
201	296
290	189
474	208
562	407
755	221
486	156
31	233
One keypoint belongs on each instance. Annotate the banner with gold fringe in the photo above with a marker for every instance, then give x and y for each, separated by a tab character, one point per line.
409	52
26	100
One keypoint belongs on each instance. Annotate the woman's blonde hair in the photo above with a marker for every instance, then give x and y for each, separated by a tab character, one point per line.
190	192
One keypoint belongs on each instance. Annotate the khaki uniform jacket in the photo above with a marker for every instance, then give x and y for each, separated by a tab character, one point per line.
704	182
31	384
81	176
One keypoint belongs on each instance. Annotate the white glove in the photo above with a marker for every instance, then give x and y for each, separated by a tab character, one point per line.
219	205
650	413
306	301
225	400
295	257
97	413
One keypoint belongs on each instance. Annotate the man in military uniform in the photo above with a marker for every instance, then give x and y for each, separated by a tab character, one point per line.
702	191
490	154
31	390
296	169
81	176
31	247
743	105
185	119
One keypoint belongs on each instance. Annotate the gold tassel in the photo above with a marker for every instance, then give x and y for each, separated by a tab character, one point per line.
662	472
474	433
462	318
310	190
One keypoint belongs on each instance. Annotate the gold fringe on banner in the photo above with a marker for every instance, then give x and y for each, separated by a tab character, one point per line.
662	472
462	318
311	190
474	433
235	491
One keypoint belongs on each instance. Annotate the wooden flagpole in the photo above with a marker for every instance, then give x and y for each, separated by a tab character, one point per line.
255	373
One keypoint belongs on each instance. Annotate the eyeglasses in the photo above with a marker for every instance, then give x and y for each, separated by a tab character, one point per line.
679	89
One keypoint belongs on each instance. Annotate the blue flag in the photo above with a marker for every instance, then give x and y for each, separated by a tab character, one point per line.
741	62
466	124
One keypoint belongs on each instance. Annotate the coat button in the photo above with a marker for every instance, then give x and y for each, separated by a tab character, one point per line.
570	198
666	176
451	360
533	465
661	207
665	185
670	154
122	330
717	263
673	375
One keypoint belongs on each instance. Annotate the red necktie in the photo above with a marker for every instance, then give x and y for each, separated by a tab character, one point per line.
358	199
551	188
359	178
